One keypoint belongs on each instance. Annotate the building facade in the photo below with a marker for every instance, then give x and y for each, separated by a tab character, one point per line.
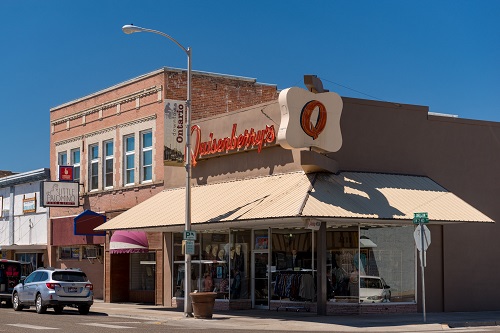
23	221
114	140
347	213
256	199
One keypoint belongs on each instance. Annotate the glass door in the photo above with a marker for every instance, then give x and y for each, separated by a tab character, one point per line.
260	266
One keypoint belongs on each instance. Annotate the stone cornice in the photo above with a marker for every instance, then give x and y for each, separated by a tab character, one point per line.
114	103
105	130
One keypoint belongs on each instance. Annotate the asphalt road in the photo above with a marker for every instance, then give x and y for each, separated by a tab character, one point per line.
70	321
105	318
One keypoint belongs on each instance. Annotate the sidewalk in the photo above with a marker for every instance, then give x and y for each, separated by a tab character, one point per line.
301	321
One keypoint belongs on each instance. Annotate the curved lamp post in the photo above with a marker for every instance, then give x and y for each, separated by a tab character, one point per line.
130	29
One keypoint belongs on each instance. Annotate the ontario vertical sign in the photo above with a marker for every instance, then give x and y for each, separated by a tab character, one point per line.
174	117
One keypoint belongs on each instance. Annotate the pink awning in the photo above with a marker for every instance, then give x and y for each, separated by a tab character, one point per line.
123	241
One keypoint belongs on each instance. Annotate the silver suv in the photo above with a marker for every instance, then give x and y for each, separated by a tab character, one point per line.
55	288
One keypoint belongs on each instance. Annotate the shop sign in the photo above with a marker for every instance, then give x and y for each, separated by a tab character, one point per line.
29	205
313	225
238	141
59	194
310	120
174	114
66	173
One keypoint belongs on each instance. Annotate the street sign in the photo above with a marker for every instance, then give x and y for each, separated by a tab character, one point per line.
418	237
189	247
189	235
420	218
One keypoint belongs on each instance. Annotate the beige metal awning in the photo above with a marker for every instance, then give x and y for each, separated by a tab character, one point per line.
292	199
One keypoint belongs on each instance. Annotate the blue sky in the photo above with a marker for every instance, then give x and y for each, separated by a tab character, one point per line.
440	53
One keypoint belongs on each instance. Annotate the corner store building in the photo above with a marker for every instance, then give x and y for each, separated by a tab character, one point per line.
395	160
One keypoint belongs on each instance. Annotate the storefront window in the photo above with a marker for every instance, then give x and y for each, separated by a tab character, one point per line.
179	270
342	265
239	264
66	253
220	264
293	265
215	264
142	271
388	262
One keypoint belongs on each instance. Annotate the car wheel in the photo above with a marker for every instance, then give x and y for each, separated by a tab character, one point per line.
16	304
58	309
83	309
40	308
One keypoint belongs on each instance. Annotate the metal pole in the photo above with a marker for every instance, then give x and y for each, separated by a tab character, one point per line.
188	307
129	29
422	267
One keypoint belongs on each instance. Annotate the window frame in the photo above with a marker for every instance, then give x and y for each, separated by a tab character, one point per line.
93	161
146	150
62	157
107	157
76	164
60	251
128	153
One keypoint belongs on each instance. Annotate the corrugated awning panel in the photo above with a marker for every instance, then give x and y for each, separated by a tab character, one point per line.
279	195
386	196
348	195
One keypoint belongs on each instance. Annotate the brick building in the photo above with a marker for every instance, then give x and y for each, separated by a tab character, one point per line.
114	139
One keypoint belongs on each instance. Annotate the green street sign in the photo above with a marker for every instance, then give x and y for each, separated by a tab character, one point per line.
420	218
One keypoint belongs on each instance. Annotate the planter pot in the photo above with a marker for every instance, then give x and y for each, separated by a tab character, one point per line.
203	304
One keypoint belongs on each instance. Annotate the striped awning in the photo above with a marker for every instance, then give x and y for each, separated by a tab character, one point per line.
128	241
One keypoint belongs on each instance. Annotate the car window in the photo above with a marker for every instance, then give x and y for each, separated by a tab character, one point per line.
371	283
42	277
38	276
31	277
69	276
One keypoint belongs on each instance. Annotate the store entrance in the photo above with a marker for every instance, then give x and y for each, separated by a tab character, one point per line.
260	276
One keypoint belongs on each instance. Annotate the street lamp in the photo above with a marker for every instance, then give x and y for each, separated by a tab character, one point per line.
130	29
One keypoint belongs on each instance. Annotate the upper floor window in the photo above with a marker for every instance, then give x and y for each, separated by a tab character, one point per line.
93	167
129	159
75	161
108	163
147	156
62	159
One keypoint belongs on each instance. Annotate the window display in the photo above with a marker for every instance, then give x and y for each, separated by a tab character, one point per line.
354	257
388	254
220	267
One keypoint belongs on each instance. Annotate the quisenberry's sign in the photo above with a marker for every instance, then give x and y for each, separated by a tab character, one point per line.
248	139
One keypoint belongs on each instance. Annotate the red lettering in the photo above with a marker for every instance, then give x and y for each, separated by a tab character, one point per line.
248	139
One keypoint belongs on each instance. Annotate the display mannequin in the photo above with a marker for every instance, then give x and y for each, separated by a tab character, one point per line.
215	250
208	251
239	261
221	254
